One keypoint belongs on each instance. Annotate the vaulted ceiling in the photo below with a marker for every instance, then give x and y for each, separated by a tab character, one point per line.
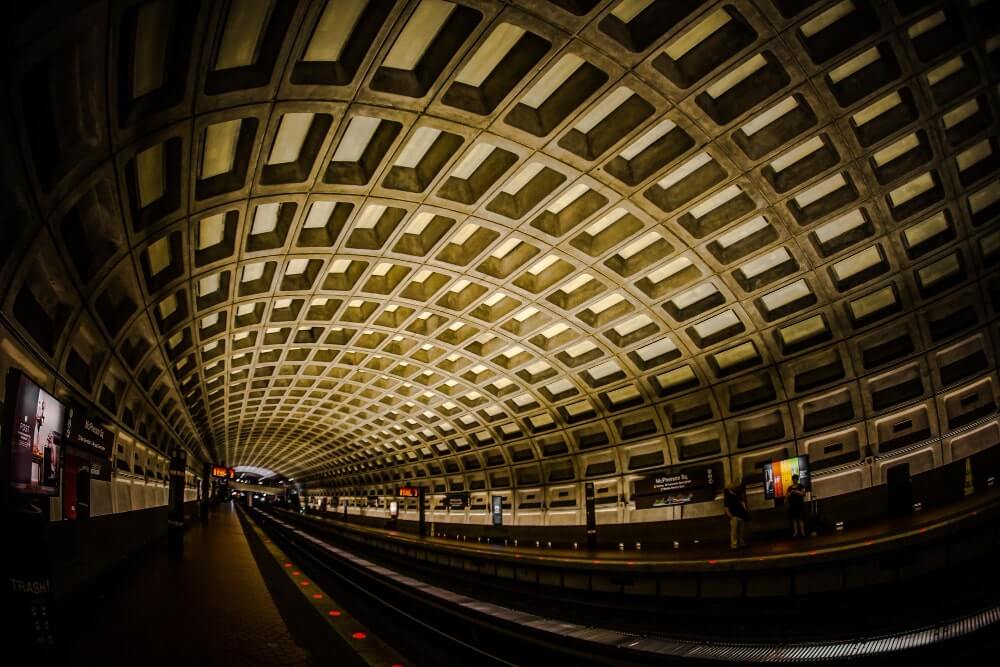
348	240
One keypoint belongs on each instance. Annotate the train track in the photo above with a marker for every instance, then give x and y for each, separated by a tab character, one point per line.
453	628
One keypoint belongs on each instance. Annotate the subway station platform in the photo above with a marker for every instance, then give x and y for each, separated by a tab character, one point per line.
769	547
271	586
226	600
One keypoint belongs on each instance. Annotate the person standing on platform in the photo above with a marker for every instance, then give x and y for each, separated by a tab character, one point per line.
735	505
797	507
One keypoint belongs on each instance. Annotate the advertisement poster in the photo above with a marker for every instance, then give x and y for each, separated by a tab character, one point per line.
679	486
778	476
36	434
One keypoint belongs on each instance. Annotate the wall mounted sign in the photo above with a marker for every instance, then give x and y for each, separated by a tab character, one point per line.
458	501
678	486
88	433
496	507
590	506
98	465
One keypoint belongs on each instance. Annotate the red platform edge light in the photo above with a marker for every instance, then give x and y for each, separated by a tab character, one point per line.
296	573
305	583
288	564
317	596
359	635
333	612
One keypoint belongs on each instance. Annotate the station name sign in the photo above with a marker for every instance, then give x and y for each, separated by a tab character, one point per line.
678	486
458	501
223	472
88	433
408	491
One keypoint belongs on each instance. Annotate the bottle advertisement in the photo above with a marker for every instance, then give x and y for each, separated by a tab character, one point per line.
36	447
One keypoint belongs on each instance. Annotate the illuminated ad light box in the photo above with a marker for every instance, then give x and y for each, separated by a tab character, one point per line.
778	476
36	422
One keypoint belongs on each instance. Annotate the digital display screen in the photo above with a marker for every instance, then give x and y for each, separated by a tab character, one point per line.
778	476
223	472
408	492
37	423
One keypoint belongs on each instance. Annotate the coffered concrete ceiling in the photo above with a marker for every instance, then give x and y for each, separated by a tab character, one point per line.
357	242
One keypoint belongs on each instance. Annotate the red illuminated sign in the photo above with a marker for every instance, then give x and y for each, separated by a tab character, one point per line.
408	491
222	471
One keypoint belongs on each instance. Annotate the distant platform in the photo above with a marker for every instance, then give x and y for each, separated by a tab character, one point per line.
872	538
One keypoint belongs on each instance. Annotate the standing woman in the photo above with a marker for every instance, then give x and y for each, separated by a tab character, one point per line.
797	507
736	509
